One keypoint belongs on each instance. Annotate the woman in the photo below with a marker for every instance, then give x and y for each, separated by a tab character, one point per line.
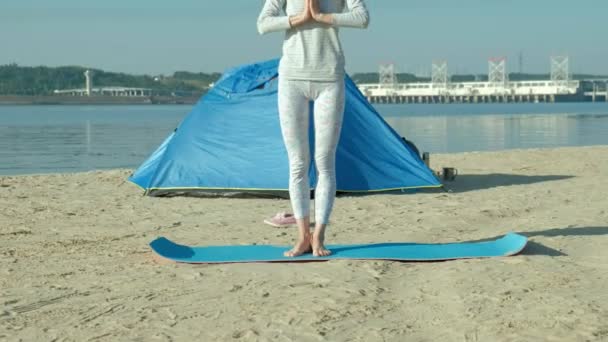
311	69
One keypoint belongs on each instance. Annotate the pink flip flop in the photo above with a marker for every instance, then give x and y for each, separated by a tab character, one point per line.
281	220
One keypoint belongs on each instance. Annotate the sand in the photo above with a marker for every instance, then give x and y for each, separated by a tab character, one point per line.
75	264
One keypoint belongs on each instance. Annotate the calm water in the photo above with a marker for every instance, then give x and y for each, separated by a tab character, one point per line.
41	139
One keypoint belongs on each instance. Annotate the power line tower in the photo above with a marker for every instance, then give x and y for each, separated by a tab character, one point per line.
497	75
388	81
560	70
439	74
521	62
388	77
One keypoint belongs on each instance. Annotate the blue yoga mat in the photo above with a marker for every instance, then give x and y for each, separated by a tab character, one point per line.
510	244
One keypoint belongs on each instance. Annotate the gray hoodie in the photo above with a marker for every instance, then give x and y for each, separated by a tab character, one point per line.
312	51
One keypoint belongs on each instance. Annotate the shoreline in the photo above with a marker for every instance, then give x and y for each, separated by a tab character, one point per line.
76	263
432	155
52	100
18	100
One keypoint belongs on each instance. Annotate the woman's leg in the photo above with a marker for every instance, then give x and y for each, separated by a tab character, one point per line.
294	117
329	113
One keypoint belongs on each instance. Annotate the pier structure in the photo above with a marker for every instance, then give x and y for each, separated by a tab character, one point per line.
596	90
89	90
106	91
497	89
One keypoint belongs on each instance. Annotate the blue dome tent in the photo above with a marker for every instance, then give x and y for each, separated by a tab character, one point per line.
231	143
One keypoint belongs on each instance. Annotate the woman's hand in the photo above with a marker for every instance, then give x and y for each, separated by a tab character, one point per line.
315	12
313	7
302	18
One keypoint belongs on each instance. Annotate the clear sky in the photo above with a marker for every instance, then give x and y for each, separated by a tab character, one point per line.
160	37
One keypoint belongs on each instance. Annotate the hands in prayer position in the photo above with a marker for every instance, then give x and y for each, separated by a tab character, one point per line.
312	12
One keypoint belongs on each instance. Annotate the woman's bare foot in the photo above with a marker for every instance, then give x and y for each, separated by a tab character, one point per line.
318	248
301	247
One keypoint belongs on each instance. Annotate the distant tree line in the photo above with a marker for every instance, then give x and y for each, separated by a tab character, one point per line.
374	77
41	80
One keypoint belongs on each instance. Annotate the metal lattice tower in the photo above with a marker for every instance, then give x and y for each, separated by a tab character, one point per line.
439	74
521	63
388	77
560	69
497	74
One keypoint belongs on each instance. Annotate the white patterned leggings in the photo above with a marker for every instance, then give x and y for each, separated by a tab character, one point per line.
294	111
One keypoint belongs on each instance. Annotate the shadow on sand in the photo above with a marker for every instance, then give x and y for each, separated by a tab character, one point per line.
464	183
535	248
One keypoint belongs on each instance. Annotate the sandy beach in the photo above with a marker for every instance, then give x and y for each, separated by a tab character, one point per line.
76	265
